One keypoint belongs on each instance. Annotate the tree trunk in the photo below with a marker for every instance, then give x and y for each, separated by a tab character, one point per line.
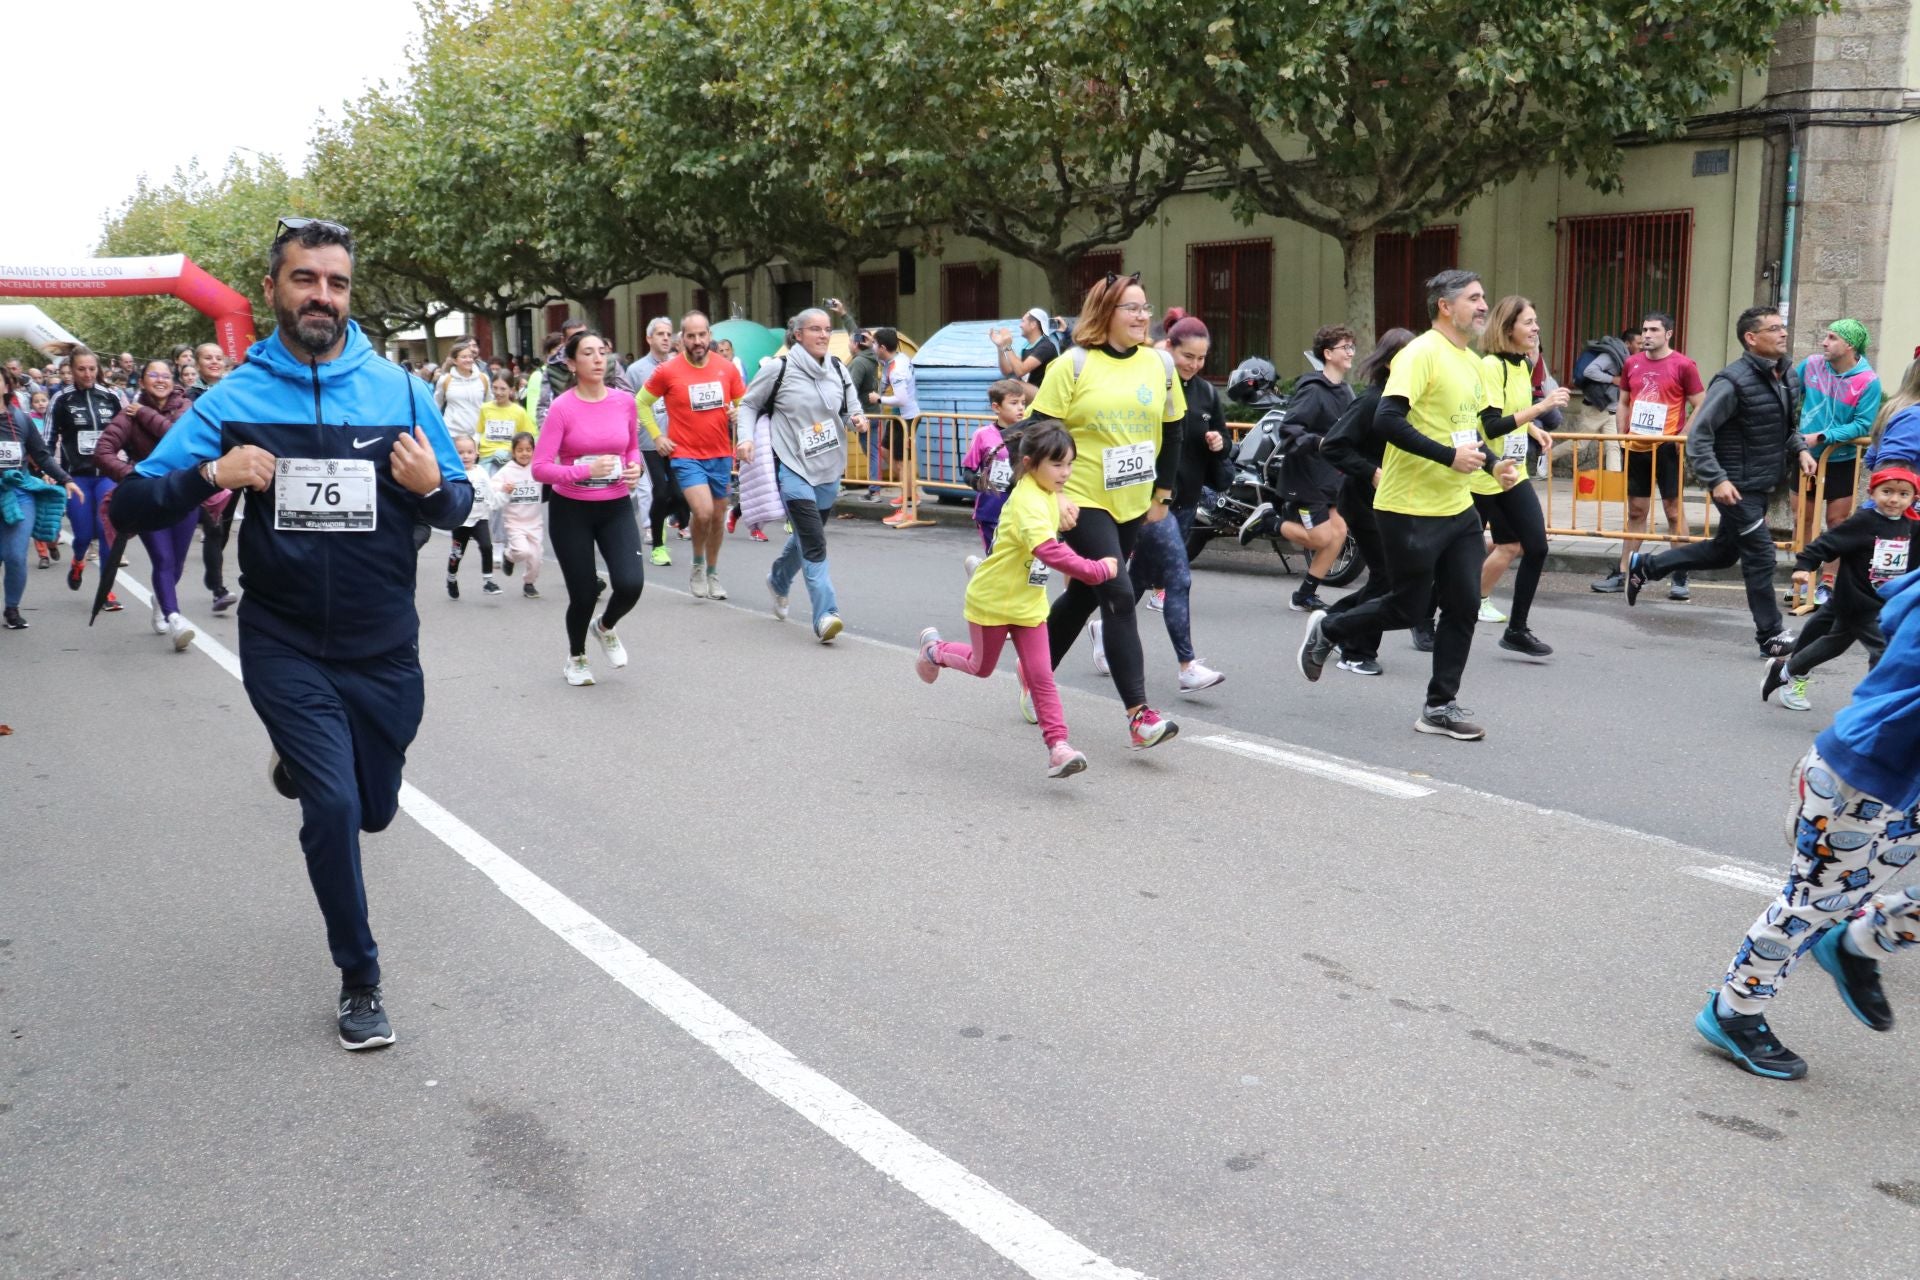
1356	249
427	324
1060	285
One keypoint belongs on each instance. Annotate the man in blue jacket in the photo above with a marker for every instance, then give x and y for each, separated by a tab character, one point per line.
337	453
1856	826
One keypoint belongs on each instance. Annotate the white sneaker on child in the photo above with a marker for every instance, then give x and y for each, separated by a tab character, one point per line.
1099	650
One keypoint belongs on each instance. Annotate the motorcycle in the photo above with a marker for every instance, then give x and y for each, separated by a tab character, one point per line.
1247	510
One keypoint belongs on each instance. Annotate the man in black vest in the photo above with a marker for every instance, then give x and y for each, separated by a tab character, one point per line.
1738	445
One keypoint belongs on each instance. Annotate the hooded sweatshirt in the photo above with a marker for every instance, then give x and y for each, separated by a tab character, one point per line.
334	595
1316	404
1874	743
807	415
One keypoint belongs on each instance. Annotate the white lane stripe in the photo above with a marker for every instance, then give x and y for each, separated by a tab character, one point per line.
229	660
1739	877
1364	779
1009	1228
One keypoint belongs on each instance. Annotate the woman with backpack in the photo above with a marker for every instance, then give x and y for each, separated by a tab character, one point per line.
808	403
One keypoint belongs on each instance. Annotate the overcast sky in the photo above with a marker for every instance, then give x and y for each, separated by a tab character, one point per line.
121	89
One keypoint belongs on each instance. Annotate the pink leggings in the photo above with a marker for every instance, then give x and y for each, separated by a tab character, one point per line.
1036	663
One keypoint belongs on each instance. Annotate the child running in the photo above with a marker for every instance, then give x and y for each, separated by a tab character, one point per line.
1007	597
519	493
475	529
1874	547
988	465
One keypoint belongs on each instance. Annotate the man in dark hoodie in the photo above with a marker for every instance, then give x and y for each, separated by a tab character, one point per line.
1308	482
337	454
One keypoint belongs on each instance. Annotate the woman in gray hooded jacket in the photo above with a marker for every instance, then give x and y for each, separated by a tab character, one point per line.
808	403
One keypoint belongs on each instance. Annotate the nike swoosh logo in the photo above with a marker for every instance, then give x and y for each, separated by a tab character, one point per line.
361	444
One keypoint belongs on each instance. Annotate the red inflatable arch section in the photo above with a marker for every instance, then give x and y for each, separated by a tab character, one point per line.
172	273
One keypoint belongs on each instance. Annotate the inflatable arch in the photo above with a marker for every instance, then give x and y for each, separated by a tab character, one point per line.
36	328
172	273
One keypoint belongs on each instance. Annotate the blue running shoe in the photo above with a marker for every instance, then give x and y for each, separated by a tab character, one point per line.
1752	1045
1857	977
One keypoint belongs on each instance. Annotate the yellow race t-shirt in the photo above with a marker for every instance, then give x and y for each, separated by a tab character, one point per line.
1445	389
1509	389
498	425
1114	410
1010	586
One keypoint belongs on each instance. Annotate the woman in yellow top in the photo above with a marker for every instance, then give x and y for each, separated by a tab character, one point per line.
1118	398
1513	514
1007	596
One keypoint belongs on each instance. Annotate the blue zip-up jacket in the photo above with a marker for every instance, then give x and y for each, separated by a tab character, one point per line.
1874	743
339	595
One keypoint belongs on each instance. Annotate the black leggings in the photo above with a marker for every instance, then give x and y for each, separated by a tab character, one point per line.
471	533
1428	555
1514	516
1828	635
667	498
1356	508
1096	536
576	528
214	530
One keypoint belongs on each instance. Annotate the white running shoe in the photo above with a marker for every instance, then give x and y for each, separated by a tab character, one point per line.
714	590
182	633
830	626
1199	676
577	671
1488	613
1157	600
698	582
923	661
159	619
779	601
972	563
1099	650
616	652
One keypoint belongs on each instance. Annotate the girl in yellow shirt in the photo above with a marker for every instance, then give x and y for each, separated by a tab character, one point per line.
1007	597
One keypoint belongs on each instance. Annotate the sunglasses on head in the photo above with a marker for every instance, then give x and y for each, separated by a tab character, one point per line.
293	226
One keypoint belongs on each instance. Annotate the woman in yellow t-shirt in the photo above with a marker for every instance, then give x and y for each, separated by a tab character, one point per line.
1007	596
1119	399
1513	514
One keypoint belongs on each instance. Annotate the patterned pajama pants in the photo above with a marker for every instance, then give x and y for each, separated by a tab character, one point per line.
1846	846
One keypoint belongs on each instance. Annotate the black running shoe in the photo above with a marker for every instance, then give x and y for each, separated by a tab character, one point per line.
1857	977
1775	677
506	566
363	1020
1451	721
14	621
1524	641
1777	645
74	572
1303	603
1315	648
1422	634
489	587
1751	1043
1637	577
53	549
282	780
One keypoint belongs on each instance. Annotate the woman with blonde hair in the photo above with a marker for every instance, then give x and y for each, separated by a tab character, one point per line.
1121	401
1513	515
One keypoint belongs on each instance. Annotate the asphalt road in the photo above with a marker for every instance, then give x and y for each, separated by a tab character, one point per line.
761	959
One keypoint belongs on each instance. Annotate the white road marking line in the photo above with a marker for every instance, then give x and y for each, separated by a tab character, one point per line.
229	660
1379	784
1009	1228
1739	877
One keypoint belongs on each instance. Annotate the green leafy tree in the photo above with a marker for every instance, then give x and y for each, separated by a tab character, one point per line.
1018	126
1386	115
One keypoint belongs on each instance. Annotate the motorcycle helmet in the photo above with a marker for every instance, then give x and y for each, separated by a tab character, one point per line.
1253	379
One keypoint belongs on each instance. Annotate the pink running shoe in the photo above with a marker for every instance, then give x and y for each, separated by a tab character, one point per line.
929	669
1063	761
1147	729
